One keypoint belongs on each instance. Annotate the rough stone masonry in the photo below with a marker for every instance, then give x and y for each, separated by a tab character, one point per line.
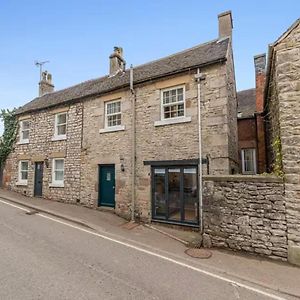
283	114
245	213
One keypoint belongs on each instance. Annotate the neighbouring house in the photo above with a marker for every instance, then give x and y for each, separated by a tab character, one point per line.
251	124
247	131
137	139
282	113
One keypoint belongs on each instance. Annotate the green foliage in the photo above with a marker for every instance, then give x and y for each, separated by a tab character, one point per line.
277	165
9	135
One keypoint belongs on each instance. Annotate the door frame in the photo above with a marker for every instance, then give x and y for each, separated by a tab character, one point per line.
99	185
166	218
34	178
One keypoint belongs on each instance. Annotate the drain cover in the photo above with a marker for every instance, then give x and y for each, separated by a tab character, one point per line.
198	253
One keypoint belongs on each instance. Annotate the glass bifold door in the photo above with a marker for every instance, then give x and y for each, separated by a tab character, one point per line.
175	194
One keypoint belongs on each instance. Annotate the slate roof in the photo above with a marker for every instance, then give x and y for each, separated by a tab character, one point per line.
246	103
201	55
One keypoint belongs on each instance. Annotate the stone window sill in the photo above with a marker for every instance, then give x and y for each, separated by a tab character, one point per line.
112	129
172	121
21	183
56	185
59	138
25	142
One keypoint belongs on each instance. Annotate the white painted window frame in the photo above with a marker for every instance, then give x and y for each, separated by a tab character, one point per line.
106	115
112	114
254	161
175	120
57	183
57	136
21	131
20	180
162	105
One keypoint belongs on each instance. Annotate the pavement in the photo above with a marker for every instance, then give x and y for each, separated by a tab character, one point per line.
255	271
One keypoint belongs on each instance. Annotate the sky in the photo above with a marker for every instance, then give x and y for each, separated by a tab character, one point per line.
78	36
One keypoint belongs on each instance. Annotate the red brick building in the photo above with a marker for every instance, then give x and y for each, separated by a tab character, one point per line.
251	127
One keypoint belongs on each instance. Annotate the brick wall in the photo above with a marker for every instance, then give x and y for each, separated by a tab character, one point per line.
246	135
245	213
260	80
6	173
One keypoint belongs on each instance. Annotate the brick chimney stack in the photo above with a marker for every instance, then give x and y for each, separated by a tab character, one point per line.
45	85
117	62
225	24
260	79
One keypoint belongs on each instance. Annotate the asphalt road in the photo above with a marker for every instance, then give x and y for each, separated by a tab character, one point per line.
44	259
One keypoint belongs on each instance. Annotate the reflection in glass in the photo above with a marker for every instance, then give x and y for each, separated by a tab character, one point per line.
159	193
174	194
190	194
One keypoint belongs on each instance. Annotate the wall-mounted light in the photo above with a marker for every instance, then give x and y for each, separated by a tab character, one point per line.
122	163
46	161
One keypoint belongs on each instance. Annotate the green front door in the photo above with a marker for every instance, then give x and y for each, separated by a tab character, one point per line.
106	185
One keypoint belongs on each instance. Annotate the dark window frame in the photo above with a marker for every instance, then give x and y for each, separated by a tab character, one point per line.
166	219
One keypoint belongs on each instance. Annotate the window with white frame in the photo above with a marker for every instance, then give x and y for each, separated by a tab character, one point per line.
24	131
173	103
248	161
58	165
61	125
23	172
113	113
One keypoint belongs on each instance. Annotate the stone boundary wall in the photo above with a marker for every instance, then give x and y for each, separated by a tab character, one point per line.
245	213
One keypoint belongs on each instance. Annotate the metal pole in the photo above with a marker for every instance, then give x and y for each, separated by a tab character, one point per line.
133	145
198	77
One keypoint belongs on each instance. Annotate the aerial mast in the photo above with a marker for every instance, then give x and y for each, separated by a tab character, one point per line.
40	64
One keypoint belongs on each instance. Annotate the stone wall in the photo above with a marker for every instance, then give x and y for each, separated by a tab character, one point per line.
180	141
217	120
42	148
155	141
232	113
107	148
284	116
272	121
245	213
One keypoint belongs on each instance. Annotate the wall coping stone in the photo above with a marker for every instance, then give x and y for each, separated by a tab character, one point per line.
247	178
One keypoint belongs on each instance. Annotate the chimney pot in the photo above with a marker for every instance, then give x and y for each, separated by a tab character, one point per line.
225	24
45	85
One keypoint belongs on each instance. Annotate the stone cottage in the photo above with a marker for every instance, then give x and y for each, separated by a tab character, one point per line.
137	140
282	109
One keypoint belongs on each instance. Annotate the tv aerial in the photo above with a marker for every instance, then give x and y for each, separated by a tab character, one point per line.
40	64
